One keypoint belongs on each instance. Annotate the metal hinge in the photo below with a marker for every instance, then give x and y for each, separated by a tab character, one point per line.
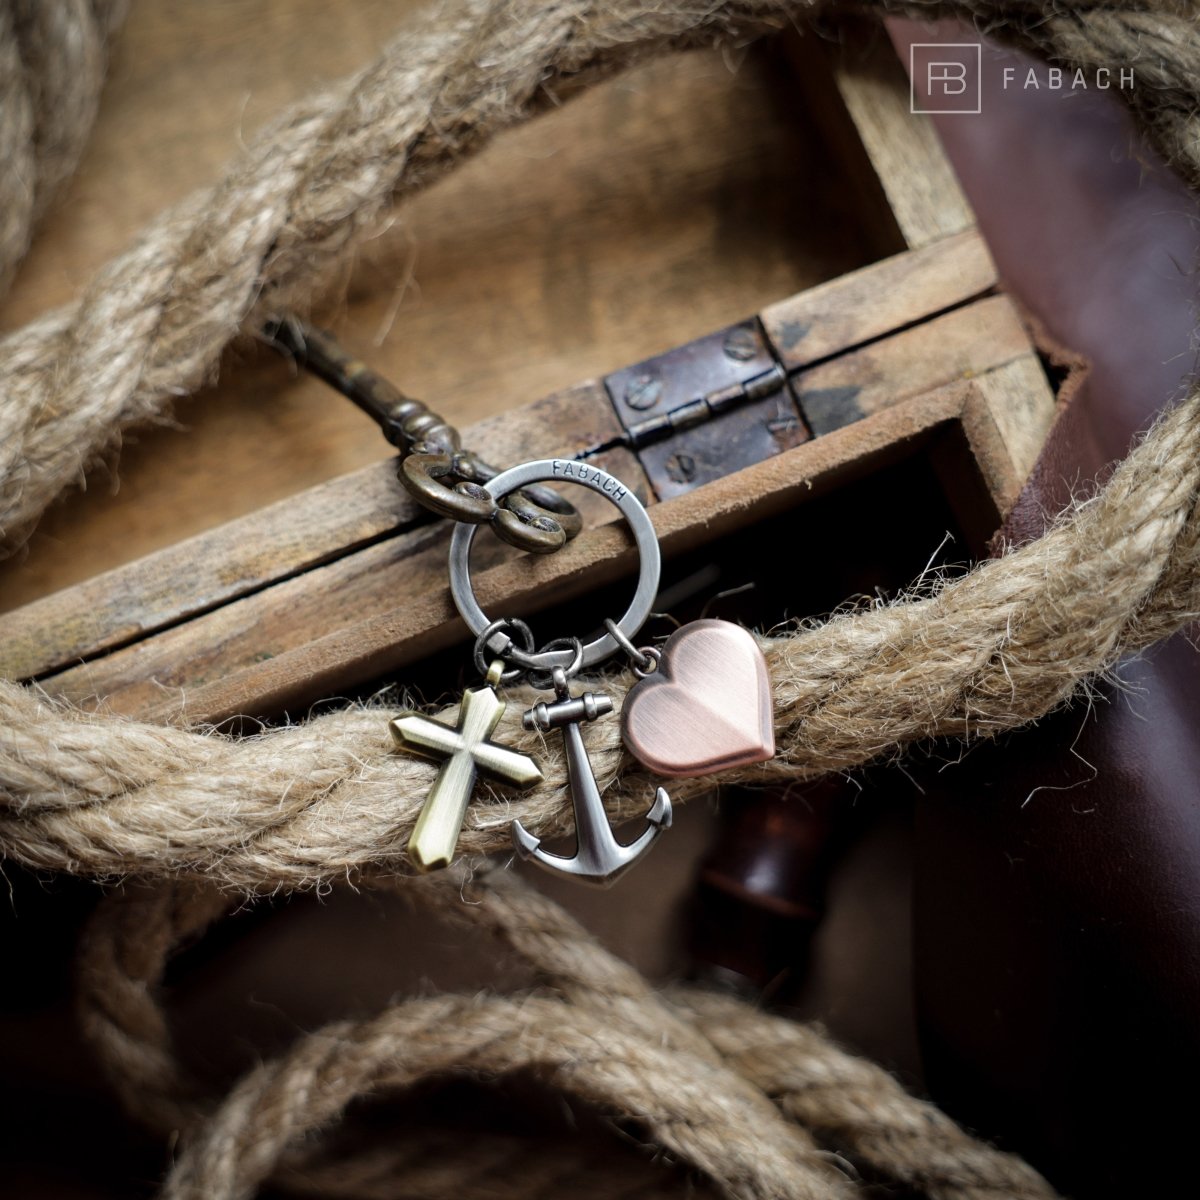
703	408
706	409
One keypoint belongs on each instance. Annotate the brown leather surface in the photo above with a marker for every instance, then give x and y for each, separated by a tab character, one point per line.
1057	907
1057	932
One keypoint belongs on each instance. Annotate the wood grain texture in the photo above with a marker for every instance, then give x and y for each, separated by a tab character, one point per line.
229	573
961	344
877	299
898	177
251	654
684	194
1022	404
405	574
290	536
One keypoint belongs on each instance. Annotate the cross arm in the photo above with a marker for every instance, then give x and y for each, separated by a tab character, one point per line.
506	766
425	736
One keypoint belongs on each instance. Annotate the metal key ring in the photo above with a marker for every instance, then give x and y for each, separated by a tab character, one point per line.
563	470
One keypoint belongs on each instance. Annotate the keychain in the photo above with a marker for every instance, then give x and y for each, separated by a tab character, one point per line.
702	702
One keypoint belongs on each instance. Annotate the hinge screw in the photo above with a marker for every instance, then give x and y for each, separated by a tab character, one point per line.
681	468
643	392
740	344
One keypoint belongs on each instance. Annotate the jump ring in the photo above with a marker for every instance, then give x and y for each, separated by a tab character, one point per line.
641	659
653	657
536	677
507	649
645	540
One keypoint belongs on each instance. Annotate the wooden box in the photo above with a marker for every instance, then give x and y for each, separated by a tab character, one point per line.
917	357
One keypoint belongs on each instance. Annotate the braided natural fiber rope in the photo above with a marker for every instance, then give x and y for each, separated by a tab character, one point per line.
705	1114
52	61
990	652
685	1057
1001	646
123	956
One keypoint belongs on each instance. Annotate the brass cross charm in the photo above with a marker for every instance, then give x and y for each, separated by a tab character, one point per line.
464	751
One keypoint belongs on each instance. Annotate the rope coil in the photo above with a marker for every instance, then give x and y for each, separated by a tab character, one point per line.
763	1106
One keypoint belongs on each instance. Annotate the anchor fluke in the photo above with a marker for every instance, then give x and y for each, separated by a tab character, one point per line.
660	813
526	844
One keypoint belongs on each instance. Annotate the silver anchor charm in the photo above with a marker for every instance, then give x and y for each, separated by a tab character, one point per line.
599	858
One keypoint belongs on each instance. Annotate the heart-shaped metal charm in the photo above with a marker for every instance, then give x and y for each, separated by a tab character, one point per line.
706	708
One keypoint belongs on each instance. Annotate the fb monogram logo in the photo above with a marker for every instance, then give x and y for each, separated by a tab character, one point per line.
949	77
945	77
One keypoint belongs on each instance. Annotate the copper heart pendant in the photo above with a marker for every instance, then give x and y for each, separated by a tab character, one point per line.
706	708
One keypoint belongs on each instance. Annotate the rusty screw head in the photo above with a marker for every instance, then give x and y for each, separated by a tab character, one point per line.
740	344
643	391
681	468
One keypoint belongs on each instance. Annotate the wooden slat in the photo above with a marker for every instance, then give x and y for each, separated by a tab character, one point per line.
202	572
905	152
298	611
875	300
335	518
962	344
244	556
895	171
1023	406
421	617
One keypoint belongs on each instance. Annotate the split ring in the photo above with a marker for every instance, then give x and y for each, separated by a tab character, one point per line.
495	639
544	681
562	470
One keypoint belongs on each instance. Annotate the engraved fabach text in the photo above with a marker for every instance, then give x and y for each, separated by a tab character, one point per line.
566	469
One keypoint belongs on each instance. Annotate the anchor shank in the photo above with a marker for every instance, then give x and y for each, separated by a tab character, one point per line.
598	851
